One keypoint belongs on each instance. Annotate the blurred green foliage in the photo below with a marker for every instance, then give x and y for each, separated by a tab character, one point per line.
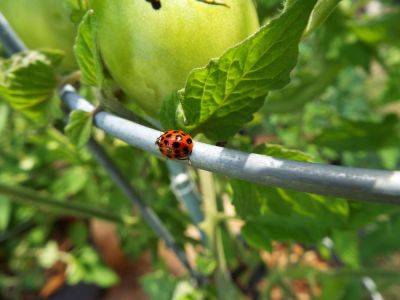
342	106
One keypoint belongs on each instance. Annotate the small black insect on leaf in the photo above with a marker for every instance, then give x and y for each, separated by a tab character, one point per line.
156	4
214	2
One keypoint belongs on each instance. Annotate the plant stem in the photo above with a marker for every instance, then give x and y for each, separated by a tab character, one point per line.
41	201
186	192
225	287
71	78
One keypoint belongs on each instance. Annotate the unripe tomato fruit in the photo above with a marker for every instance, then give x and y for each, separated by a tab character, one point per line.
150	52
42	24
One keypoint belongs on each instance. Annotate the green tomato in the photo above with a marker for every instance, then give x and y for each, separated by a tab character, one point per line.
150	52
42	24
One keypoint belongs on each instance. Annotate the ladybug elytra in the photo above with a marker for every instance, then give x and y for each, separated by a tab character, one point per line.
175	144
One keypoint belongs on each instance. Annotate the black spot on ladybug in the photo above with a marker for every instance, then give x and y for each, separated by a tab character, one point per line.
168	135
175	131
178	138
189	141
186	149
177	152
175	145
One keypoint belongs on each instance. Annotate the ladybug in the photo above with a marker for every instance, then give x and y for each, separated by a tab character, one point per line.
175	144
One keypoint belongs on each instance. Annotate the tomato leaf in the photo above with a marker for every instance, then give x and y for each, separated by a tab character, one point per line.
221	97
346	246
352	135
159	285
79	127
378	29
169	111
28	82
70	182
86	52
303	89
278	214
320	13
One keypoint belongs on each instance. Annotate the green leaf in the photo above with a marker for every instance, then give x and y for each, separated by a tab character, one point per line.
285	228
361	135
339	47
79	128
186	290
279	151
169	111
78	234
278	214
78	9
102	276
72	181
85	265
287	215
346	246
206	264
301	90
380	29
380	239
265	8
159	285
362	214
335	288
5	212
245	198
86	51
28	82
256	236
4	112
220	98
75	271
88	256
320	13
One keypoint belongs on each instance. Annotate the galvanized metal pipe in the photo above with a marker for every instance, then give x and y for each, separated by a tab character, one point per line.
351	183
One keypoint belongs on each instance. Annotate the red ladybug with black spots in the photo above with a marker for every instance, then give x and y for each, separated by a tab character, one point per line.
175	144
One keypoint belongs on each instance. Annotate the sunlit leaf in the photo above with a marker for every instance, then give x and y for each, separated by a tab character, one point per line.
320	13
86	52
79	127
28	82
220	98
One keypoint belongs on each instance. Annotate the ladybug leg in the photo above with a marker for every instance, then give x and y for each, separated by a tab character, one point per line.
186	158
157	141
214	2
